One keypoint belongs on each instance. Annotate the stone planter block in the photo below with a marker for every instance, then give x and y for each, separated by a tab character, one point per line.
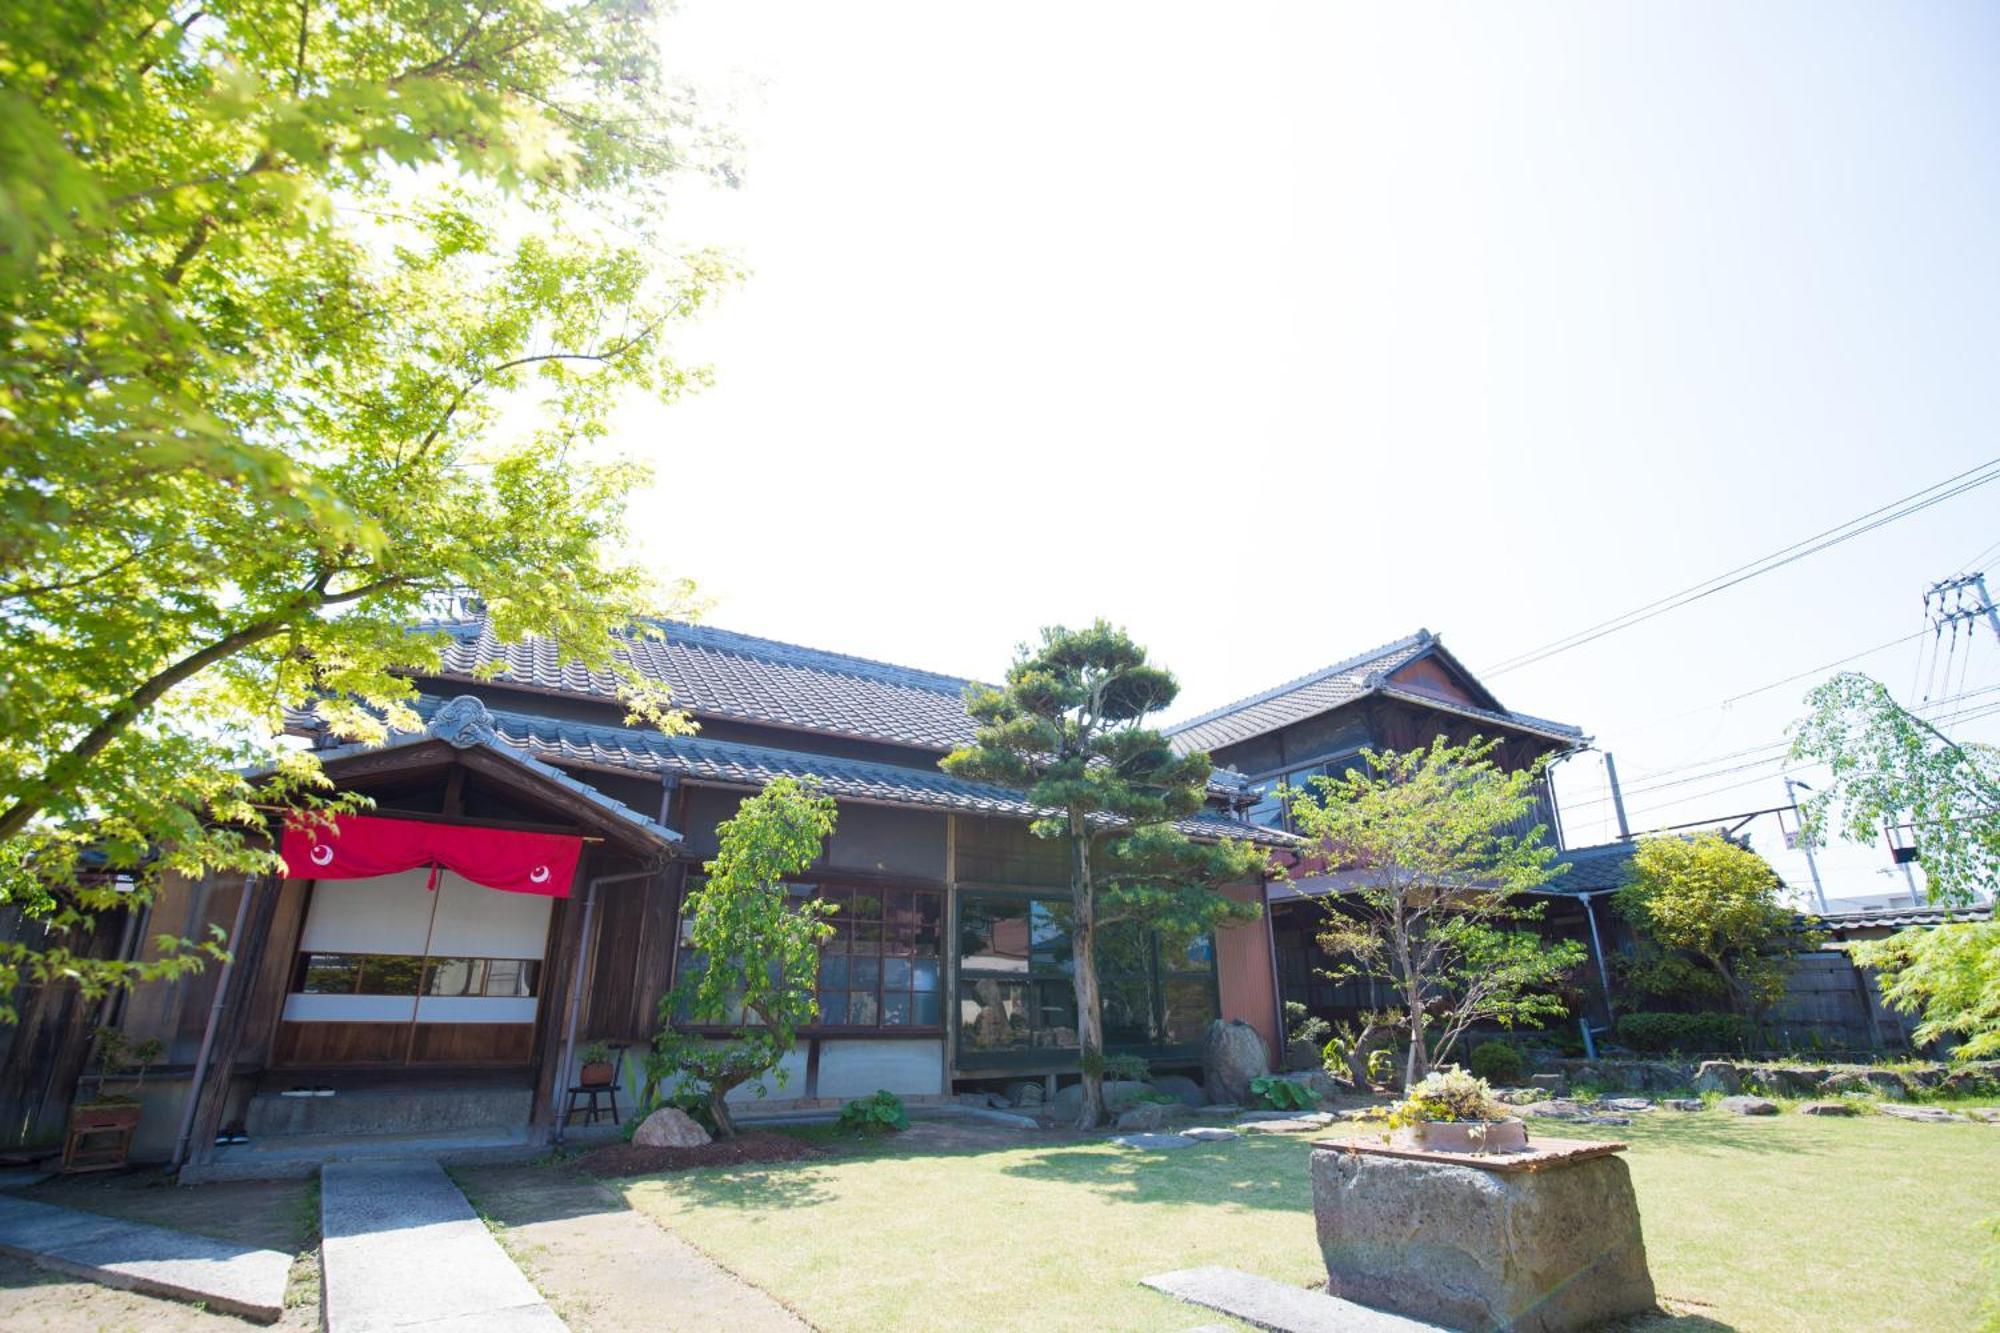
1540	1251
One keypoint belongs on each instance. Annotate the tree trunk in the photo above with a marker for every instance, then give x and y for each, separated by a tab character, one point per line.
1083	947
1418	1063
718	1110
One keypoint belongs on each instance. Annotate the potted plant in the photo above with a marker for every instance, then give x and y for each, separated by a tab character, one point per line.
101	1129
597	1067
1452	1111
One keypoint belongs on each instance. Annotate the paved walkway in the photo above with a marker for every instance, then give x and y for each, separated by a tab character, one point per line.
155	1260
1262	1303
609	1269
401	1249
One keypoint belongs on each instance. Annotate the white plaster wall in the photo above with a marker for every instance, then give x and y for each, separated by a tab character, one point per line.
861	1066
349	1008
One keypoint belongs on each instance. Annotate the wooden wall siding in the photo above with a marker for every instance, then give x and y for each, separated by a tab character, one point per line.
1003	851
1249	990
340	1043
1828	998
1428	676
473	1043
47	1048
636	933
891	842
266	998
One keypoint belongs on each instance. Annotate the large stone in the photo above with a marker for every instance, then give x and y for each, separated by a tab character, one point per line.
1154	1142
1539	1251
1232	1054
1786	1080
1855	1082
1683	1103
1553	1084
669	1127
1151	1117
1181	1088
1119	1095
1025	1092
1829	1108
1749	1106
1933	1115
1718	1076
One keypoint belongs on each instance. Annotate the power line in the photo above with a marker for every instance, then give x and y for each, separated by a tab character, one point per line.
1914	503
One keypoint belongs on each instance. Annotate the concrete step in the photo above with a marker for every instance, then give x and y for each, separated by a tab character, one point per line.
300	1156
388	1111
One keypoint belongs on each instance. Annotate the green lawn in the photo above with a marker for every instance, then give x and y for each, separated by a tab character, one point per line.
1785	1223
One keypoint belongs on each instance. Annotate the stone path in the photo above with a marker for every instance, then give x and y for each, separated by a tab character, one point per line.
401	1249
155	1260
604	1266
1262	1303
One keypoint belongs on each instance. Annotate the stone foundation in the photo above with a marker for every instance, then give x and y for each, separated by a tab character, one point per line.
1542	1250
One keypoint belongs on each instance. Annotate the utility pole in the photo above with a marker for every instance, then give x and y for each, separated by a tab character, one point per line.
1805	843
1969	602
1617	796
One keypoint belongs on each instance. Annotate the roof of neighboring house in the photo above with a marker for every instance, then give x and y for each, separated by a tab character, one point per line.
1897	918
1343	683
1594	869
732	764
465	723
721	674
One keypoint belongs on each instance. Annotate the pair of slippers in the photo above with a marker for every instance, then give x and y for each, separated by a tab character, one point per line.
231	1136
307	1092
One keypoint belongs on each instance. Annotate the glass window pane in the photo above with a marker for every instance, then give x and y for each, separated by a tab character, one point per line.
895	974
867	937
924	1010
1048	934
455	976
833	971
993	933
1128	1011
930	923
1055	1015
330	974
391	974
867	906
1190	1008
895	1010
832	1006
924	974
862	1008
507	976
866	974
993	1014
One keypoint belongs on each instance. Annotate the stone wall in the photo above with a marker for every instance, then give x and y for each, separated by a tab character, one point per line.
1974	1078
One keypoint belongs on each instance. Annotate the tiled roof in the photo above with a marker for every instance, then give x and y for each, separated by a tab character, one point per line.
1342	683
728	763
1897	918
464	722
1594	869
720	674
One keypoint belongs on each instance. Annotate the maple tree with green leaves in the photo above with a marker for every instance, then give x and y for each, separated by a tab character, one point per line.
1435	861
1069	729
315	312
1719	904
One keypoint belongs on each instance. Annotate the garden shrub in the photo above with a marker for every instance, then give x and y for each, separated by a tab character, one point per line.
1449	1094
1129	1068
1683	1032
1497	1062
879	1114
1282	1094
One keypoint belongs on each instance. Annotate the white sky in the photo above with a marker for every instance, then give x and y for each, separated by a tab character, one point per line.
1276	332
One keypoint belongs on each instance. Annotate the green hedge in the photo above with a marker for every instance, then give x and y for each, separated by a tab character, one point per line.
1497	1062
1683	1032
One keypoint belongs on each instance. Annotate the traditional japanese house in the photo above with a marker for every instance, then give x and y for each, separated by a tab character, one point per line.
514	894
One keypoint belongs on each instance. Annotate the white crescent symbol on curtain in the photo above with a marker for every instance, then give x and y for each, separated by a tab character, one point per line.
539	875
322	856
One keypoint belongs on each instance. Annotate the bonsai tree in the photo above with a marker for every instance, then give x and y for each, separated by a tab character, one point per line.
1070	728
1430	843
756	953
1890	766
1717	903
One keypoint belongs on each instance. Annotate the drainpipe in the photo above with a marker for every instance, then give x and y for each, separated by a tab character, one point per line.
561	1085
208	1032
1597	946
1277	985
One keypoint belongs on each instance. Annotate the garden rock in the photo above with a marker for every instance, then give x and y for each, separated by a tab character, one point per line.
1232	1054
1683	1103
1718	1076
1301	1056
1629	1104
669	1127
982	1100
1749	1106
1559	1109
1552	1083
1518	1096
1025	1093
1181	1088
1973	1080
1550	1250
1210	1134
1119	1095
1150	1117
1829	1108
1154	1141
1787	1081
1607	1120
1856	1081
1930	1115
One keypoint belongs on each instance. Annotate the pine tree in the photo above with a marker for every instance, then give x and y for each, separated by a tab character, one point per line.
1070	729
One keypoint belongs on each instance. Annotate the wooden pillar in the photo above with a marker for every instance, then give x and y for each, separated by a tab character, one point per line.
212	1097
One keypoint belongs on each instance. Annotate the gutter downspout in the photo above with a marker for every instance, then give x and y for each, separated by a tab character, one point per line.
208	1032
561	1084
1597	945
1277	986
